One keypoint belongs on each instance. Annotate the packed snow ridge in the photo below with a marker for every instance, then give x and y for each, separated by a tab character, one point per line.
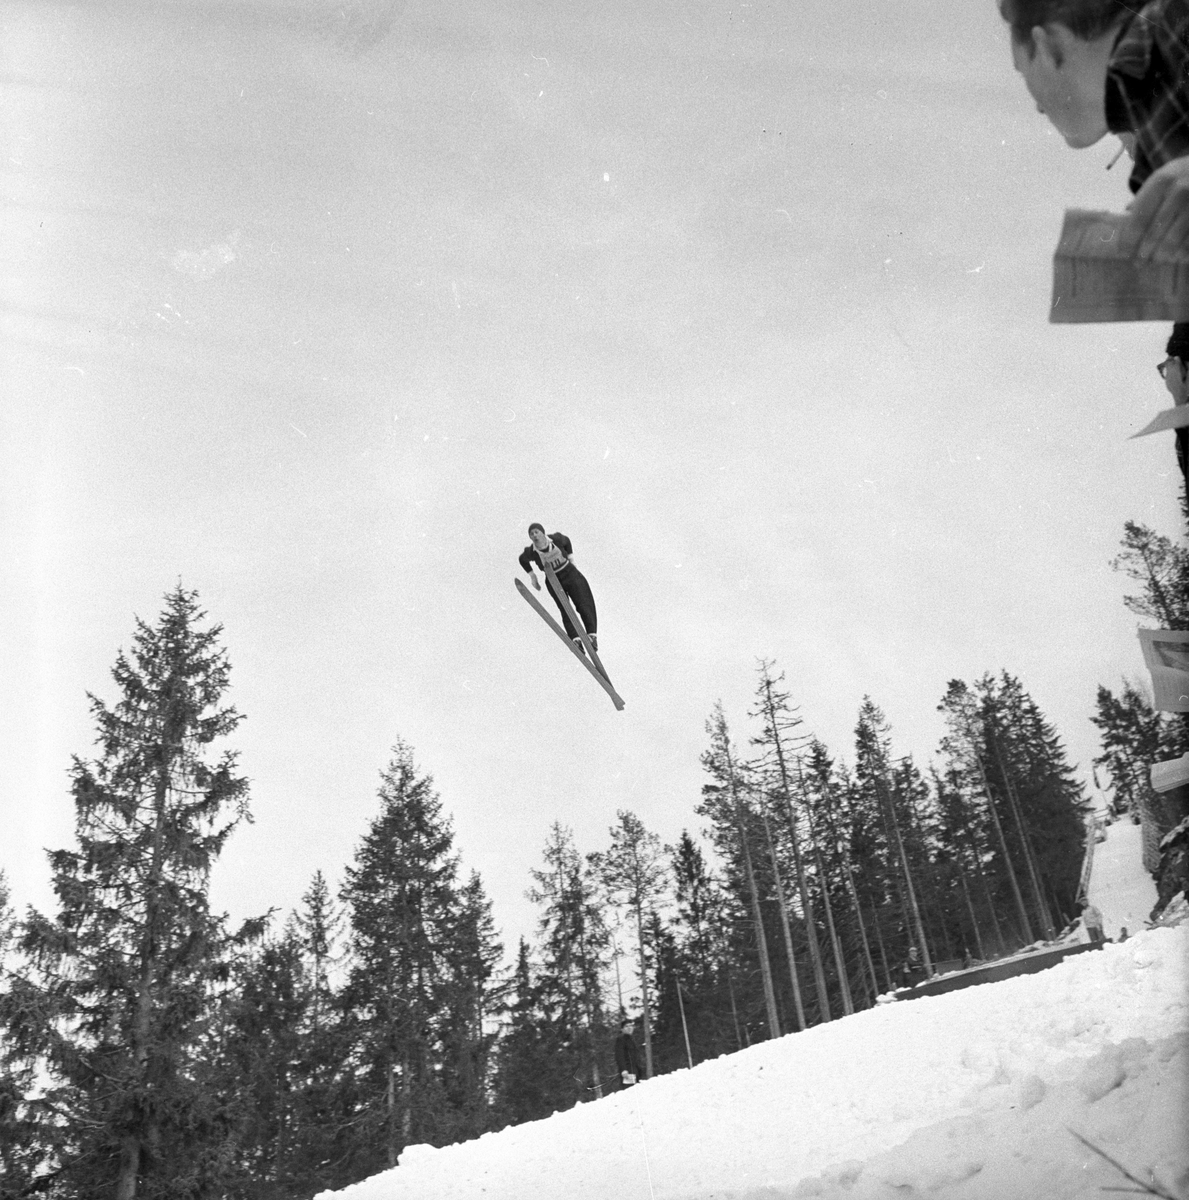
978	1093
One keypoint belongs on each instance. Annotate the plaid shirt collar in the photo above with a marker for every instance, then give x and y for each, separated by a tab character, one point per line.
1147	89
1132	54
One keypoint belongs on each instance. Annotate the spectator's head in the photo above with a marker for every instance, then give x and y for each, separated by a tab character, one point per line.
1062	49
627	1025
1175	369
1086	19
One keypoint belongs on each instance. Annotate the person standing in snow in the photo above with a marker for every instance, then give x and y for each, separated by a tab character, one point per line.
1092	920
912	971
627	1054
554	551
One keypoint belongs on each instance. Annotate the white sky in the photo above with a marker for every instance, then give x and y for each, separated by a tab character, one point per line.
750	300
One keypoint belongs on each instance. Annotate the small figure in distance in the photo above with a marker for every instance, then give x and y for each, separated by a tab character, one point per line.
1118	66
554	551
912	971
1092	920
627	1054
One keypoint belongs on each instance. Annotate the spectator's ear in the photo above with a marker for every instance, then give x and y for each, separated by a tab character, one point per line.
1051	42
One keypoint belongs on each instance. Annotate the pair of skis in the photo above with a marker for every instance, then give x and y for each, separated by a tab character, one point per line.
592	664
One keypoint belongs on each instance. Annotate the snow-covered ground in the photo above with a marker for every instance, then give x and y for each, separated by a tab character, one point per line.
974	1094
1119	886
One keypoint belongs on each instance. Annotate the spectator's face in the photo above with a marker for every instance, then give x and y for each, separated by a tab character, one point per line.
1067	79
1176	379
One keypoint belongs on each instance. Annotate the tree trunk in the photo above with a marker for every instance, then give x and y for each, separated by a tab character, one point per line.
131	1150
644	993
883	954
978	937
757	915
910	890
842	848
848	1006
784	919
734	1010
1011	871
815	954
976	853
1034	877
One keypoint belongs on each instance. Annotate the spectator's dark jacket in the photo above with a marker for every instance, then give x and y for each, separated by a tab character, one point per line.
627	1056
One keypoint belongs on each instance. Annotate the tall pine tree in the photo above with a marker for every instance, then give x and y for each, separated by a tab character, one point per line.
118	994
633	873
575	940
422	954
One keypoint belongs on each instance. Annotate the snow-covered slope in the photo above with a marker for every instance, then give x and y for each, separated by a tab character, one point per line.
971	1094
1119	886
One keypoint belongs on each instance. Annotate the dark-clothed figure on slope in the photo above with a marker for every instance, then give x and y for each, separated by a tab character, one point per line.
554	551
627	1054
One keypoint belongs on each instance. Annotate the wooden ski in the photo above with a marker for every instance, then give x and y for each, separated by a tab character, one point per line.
568	609
604	682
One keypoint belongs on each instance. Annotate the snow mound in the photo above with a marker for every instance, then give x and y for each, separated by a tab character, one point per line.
971	1094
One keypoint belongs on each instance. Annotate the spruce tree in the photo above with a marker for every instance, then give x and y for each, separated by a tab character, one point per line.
1047	798
413	998
470	999
701	962
781	759
965	747
255	1062
823	795
694	893
575	941
528	1085
873	767
726	802
117	997
634	874
28	1133
1161	568
282	1053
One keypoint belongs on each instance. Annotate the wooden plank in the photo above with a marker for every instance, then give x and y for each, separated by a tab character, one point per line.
604	683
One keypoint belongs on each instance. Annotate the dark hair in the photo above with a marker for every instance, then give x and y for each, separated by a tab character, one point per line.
1086	19
535	525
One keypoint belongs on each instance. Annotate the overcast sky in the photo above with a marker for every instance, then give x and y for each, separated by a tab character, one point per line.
314	306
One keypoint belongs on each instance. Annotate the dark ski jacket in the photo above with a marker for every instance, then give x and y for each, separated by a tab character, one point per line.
530	556
627	1056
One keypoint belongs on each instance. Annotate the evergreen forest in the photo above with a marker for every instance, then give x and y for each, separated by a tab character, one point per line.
149	1049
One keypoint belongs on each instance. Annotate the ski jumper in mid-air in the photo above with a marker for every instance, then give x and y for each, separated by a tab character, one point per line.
554	551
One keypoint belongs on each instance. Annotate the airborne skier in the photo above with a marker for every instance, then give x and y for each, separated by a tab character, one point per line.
554	551
571	594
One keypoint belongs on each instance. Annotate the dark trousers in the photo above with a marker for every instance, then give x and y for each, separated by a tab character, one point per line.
574	584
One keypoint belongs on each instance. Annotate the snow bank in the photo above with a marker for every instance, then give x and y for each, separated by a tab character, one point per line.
969	1094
